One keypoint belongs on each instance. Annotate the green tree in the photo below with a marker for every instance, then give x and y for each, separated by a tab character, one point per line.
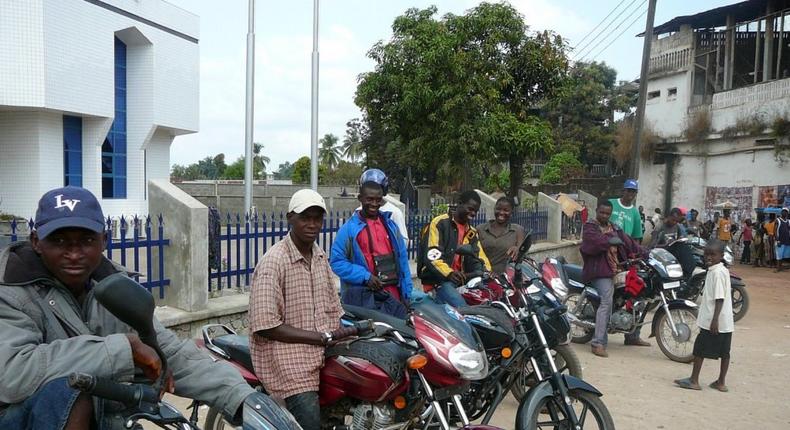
353	142
301	171
284	170
457	93
346	173
583	114
561	167
259	162
329	151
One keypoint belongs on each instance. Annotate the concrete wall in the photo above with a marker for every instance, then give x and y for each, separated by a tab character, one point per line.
554	209
186	258
667	115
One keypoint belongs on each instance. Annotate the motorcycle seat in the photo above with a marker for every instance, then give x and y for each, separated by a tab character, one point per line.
370	314
574	272
237	347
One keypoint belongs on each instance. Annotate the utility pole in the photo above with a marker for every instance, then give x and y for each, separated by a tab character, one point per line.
640	108
314	105
250	99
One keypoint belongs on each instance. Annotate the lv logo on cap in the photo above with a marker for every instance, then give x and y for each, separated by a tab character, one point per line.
68	203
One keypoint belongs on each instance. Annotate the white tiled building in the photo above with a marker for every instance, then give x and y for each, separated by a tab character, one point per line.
92	93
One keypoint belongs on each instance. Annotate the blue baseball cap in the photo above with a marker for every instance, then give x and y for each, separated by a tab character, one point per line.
68	207
631	184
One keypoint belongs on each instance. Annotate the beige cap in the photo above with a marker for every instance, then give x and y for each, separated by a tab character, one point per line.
306	198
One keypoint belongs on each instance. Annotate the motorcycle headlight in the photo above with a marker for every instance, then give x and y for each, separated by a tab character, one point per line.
559	288
469	363
674	271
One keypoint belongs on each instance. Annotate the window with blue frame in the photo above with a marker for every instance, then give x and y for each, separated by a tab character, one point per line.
72	150
113	150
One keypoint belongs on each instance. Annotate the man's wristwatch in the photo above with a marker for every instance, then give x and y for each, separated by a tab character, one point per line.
326	337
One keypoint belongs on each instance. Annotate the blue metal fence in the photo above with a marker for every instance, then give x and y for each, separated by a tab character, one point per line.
238	242
137	250
241	241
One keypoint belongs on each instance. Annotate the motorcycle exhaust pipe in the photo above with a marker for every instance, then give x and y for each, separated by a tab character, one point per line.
580	323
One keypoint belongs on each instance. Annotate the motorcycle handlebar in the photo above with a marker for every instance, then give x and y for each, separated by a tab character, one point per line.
128	394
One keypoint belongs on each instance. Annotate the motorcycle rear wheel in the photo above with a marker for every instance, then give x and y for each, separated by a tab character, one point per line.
740	302
590	410
680	350
564	357
578	334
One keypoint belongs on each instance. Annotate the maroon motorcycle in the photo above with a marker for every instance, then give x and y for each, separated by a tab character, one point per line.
396	377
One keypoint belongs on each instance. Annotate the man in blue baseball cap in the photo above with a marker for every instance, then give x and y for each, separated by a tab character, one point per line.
52	326
625	215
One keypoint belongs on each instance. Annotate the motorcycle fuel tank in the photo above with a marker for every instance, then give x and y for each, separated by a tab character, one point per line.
367	370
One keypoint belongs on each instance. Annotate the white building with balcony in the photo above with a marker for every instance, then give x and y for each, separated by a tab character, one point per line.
92	93
718	94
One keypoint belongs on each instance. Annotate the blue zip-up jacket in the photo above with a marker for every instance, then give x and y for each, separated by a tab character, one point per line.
349	264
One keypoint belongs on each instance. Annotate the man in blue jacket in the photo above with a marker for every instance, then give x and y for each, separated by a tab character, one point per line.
369	255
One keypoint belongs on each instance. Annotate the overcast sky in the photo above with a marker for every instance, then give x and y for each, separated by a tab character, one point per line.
348	28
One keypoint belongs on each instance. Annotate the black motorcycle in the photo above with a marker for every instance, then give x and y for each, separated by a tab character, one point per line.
134	305
674	323
522	334
690	253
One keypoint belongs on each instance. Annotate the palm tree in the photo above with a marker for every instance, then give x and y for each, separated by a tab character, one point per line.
352	143
329	154
259	161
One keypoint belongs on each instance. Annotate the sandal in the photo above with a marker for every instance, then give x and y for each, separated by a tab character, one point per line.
687	384
715	385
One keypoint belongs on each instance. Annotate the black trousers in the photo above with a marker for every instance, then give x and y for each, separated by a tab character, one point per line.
306	410
746	255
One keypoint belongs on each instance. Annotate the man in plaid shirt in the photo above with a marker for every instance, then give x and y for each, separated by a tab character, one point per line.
295	311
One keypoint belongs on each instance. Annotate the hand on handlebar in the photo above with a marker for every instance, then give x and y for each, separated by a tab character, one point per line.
146	358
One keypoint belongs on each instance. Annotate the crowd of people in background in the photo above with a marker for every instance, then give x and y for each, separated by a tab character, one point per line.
763	242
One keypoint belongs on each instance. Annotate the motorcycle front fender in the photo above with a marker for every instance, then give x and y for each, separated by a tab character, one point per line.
532	400
672	304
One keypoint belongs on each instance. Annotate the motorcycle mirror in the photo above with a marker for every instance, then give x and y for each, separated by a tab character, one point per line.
467	250
130	302
525	245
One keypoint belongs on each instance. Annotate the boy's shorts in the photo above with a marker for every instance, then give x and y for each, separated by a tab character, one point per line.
48	408
712	346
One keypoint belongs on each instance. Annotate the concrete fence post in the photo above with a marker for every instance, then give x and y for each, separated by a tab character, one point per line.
589	200
186	258
554	210
487	203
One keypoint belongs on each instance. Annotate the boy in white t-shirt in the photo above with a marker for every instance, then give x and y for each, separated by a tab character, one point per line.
715	320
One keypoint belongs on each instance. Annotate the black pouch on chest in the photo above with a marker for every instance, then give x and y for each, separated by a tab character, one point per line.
385	266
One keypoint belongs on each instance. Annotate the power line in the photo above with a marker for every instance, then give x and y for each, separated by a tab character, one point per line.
603	31
599	24
614	29
619	35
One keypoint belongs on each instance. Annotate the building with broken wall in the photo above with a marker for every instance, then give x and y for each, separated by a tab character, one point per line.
719	107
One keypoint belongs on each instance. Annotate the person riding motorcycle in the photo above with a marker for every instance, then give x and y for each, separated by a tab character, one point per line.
52	326
669	231
438	266
295	312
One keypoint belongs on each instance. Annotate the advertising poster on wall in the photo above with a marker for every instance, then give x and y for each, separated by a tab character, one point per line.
783	195
774	195
741	196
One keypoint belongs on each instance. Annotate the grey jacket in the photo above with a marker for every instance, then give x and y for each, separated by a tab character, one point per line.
45	334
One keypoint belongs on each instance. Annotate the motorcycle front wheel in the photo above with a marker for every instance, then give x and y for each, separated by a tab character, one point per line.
565	359
550	414
579	307
215	421
740	302
678	348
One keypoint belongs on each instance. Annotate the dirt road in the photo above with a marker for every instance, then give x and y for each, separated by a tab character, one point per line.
637	382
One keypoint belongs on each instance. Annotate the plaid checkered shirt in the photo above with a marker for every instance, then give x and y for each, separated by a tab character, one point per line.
287	289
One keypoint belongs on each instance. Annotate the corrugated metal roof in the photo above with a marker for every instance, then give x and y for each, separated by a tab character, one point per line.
742	11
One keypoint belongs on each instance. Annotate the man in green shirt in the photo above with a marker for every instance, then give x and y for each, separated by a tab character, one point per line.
625	214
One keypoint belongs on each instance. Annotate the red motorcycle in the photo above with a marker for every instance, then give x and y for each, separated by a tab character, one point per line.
396	377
